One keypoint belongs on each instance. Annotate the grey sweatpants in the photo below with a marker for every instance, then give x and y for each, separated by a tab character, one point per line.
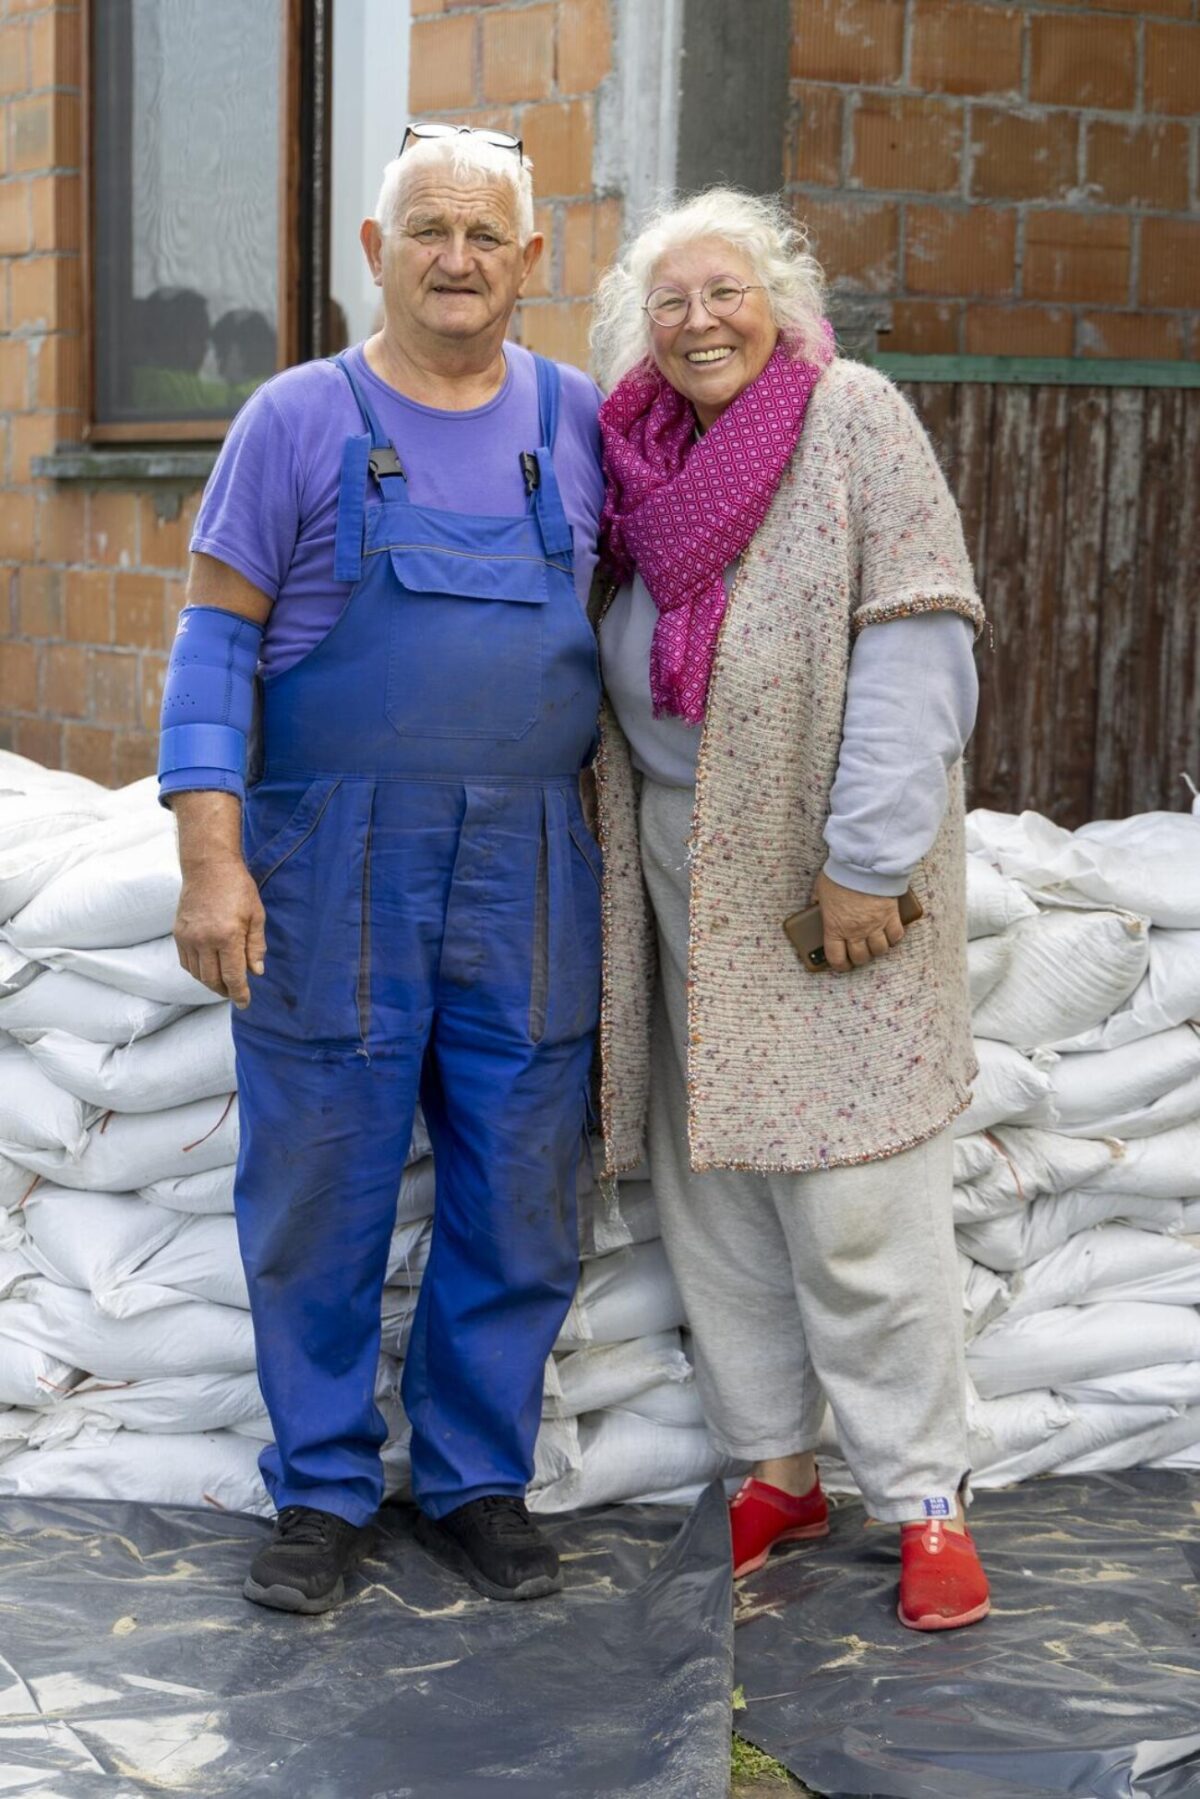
842	1283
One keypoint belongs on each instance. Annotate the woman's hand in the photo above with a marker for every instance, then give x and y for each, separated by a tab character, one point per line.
858	926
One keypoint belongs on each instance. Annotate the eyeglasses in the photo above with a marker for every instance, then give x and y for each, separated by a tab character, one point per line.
503	140
720	297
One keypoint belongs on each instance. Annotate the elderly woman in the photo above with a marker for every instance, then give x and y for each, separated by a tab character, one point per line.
786	640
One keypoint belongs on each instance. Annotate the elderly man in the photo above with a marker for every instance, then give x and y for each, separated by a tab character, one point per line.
398	542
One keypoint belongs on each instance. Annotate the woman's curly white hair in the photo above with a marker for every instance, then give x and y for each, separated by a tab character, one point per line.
762	229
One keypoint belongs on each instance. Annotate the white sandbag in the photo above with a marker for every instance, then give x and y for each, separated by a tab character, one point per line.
418	1188
15	1425
397	1311
1149	1447
556	1452
987	960
199	1260
1149	863
1013	1424
986	1295
631	1293
1168	994
623	1455
1164	1383
191	1059
1007	1087
167	1405
15	1266
151	970
212	1469
1093	1429
1090	1090
613	1374
1180	1106
1112	1262
92	1240
22	775
16	970
1160	1167
115	897
408	1253
674	1403
34	1113
1020	1239
31	1375
192	1337
1045	1162
1073	1343
208	1192
1069	970
127	1151
15	1183
61	1001
993	900
30	859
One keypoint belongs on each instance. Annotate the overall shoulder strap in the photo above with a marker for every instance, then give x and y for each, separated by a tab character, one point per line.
551	516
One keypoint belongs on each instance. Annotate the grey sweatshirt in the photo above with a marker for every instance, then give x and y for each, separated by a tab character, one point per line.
910	708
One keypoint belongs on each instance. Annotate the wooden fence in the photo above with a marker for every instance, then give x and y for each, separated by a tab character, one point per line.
1081	507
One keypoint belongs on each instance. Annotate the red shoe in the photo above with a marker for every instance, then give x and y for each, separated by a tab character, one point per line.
761	1516
942	1584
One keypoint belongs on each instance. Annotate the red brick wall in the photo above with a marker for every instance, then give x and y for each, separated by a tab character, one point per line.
532	67
1015	179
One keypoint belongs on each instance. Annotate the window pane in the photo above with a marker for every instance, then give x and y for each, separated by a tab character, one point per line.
186	222
369	82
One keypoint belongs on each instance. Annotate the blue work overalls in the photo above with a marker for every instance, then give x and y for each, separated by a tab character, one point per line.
433	925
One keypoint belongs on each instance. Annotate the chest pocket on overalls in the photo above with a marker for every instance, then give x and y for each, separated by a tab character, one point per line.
465	651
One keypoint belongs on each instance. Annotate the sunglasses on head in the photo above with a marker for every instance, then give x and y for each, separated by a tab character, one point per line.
424	133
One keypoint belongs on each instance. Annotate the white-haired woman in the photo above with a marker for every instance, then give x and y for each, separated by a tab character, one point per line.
786	642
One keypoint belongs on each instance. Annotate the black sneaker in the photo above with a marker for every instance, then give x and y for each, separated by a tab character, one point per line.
495	1544
303	1567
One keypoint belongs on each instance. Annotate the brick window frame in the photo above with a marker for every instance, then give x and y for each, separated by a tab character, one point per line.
301	213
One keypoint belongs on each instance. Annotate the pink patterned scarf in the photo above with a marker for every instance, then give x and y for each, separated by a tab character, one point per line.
679	512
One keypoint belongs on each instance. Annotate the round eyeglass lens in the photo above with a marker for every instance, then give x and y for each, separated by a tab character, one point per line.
720	297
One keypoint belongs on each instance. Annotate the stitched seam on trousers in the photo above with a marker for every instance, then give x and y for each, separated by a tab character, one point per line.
300	841
363	994
539	979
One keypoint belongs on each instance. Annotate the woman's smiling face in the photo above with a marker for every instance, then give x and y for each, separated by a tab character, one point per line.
709	361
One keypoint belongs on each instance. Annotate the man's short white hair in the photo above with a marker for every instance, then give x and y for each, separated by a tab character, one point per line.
773	242
466	158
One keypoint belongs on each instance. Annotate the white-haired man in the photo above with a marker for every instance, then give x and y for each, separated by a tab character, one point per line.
396	544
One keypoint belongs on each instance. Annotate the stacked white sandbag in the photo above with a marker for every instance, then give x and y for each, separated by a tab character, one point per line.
126	1346
1099	994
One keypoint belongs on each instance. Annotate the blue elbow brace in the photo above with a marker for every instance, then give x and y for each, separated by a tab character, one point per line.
208	702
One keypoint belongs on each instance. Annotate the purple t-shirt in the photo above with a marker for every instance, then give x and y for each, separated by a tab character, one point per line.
270	507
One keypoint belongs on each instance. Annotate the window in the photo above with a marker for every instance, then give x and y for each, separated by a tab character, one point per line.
369	80
195	145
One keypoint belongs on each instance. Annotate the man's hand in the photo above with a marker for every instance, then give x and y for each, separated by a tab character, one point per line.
220	927
858	926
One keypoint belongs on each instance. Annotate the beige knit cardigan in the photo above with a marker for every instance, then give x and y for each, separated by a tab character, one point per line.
788	1070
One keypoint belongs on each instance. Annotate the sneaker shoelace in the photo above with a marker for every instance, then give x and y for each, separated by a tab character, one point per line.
302	1525
505	1519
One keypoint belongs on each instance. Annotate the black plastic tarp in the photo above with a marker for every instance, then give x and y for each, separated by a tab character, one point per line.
131	1665
1084	1681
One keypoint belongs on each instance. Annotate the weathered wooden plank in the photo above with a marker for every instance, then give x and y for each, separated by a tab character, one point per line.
1117	664
1044	477
1158	496
1181	720
934	403
972	467
1076	635
996	760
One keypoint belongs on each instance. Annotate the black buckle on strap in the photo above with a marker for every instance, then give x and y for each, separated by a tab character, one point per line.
384	462
531	471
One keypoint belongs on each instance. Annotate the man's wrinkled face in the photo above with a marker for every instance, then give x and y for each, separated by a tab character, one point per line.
451	265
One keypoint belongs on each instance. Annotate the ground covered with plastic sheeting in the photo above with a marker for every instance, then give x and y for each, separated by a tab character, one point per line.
130	1665
1082	1682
